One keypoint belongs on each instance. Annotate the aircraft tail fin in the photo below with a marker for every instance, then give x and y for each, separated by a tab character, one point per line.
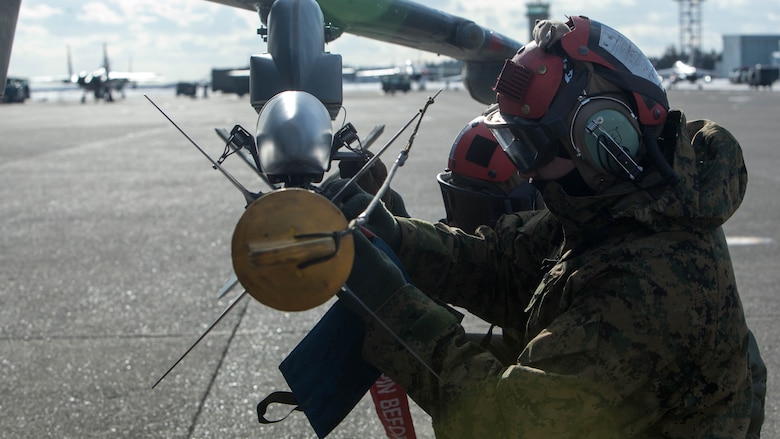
70	61
105	58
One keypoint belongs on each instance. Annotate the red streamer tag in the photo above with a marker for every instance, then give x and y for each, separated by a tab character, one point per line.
392	407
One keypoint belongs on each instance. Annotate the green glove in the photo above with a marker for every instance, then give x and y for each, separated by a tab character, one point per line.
355	200
374	276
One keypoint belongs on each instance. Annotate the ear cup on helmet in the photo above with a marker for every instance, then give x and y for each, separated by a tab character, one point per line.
606	139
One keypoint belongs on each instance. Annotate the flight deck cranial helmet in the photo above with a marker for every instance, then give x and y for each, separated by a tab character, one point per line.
480	183
581	90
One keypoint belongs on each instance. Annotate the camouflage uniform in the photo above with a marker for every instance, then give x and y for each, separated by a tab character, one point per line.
627	303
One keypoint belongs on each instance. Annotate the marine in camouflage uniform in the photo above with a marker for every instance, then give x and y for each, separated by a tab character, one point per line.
625	298
635	327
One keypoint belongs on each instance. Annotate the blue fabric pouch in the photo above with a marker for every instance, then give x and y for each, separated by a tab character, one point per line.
326	371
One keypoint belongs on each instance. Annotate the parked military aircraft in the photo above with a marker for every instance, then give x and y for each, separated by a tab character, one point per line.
408	69
102	81
392	78
681	71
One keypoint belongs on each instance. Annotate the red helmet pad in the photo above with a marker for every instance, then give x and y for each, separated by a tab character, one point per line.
529	82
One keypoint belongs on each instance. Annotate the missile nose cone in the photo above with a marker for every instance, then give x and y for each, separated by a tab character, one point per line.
470	36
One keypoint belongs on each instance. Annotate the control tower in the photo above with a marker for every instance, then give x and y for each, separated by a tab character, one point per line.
690	29
536	11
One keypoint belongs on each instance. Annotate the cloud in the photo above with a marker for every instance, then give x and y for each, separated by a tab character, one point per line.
38	12
95	12
181	14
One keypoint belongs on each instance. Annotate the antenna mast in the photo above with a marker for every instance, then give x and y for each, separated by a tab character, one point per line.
690	29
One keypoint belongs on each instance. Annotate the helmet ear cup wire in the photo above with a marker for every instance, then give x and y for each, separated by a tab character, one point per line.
615	151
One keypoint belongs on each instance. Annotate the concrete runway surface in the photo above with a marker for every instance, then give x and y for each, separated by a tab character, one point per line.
116	238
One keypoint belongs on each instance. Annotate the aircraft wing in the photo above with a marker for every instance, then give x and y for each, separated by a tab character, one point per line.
132	76
667	74
406	23
410	24
9	13
377	73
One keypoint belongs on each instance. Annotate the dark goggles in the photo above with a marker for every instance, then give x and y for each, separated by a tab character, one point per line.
529	145
533	143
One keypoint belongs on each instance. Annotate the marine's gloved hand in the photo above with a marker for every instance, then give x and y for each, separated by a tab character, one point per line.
547	32
374	276
372	180
354	201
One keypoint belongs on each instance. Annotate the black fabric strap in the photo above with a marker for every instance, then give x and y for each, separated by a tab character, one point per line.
279	397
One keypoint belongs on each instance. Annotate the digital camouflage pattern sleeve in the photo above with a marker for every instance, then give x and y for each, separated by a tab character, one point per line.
616	362
488	272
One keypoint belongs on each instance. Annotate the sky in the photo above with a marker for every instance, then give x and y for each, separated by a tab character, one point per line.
185	39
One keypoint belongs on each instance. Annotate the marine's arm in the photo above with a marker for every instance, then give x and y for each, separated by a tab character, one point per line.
566	383
491	273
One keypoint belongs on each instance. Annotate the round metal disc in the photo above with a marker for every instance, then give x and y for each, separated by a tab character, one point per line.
286	251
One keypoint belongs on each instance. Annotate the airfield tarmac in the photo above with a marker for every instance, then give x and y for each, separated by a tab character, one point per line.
116	238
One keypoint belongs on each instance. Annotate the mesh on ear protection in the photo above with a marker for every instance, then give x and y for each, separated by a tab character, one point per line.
605	136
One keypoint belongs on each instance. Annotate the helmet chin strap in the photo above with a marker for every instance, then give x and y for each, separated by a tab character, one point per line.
654	155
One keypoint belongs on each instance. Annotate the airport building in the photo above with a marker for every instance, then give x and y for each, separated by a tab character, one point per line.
749	50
